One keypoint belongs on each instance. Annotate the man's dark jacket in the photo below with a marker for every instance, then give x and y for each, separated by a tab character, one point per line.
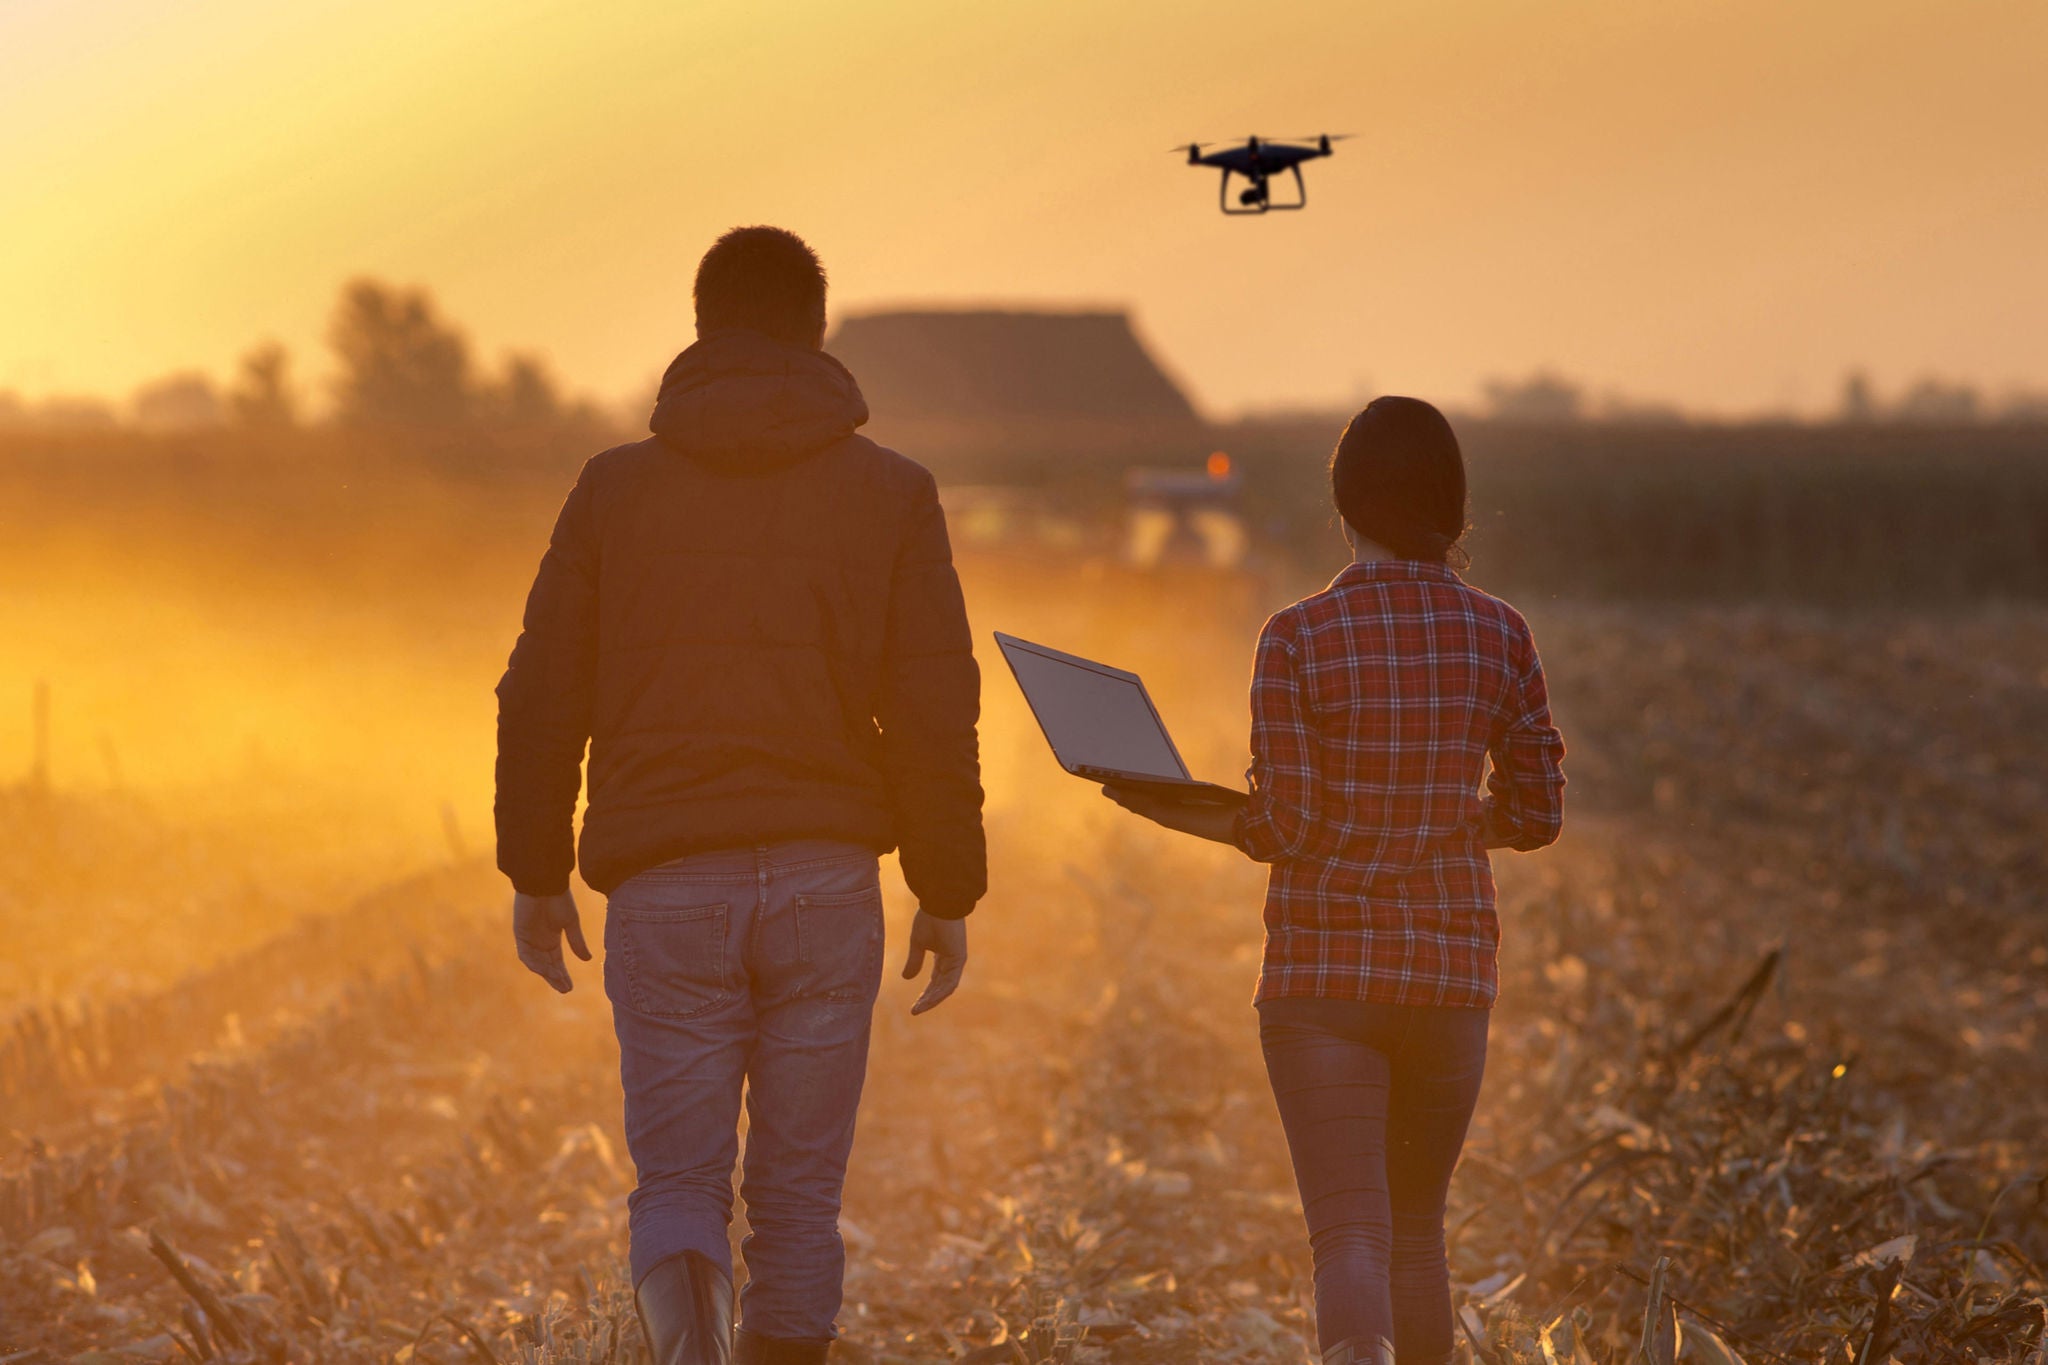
753	620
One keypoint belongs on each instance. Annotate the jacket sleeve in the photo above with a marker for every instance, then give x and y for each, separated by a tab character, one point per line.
1283	821
544	703
1524	801
929	704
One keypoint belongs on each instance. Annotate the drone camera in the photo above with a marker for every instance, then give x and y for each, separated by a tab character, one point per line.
1256	161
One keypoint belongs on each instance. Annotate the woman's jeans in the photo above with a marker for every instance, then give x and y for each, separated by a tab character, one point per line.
758	969
1375	1100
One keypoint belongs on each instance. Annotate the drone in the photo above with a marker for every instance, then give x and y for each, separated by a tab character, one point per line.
1257	160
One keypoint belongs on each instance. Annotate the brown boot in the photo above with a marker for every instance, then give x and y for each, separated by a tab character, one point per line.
685	1305
758	1350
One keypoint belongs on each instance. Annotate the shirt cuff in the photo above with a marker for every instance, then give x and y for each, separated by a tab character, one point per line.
1237	830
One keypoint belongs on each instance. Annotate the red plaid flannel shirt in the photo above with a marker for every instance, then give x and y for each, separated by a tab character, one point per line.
1376	705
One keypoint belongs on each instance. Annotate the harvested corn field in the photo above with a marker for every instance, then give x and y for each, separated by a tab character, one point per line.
1767	1075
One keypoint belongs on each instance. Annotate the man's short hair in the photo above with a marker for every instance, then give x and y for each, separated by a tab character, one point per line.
766	278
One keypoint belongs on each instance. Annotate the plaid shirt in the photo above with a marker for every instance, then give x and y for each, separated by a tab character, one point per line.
1376	705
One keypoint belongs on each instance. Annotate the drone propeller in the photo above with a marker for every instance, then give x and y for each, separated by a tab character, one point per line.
1323	137
1190	146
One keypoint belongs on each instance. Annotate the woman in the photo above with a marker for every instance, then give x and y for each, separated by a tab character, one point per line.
1376	706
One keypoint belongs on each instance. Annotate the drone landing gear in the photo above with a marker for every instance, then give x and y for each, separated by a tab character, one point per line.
1256	197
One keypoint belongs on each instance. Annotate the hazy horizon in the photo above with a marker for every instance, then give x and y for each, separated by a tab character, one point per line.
1721	207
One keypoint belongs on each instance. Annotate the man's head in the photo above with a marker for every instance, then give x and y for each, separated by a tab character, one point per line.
764	278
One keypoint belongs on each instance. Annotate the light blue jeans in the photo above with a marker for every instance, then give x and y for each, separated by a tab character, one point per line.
750	970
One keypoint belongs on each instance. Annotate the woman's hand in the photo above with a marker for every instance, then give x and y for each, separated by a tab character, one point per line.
1217	823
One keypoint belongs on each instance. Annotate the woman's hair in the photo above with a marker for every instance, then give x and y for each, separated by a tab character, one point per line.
1399	480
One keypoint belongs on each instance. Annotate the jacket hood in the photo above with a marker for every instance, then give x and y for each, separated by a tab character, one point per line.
739	400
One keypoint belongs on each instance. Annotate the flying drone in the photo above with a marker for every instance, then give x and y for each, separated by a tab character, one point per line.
1258	159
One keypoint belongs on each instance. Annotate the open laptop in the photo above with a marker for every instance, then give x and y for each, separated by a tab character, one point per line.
1102	725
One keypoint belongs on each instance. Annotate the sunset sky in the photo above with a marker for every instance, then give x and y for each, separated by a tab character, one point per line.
1722	203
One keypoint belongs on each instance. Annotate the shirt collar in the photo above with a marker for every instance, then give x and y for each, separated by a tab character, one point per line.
1389	570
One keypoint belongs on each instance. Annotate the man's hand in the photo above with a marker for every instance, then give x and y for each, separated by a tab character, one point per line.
946	941
538	923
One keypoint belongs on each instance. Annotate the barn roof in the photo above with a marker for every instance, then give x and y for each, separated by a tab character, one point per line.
980	366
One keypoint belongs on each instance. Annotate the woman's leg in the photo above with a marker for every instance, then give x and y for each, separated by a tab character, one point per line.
1435	1085
1331	1084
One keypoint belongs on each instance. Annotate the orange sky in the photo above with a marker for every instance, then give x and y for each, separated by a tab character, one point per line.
1724	203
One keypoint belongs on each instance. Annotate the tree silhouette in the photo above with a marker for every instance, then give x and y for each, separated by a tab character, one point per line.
1541	399
400	365
1939	403
185	401
262	394
1859	400
525	395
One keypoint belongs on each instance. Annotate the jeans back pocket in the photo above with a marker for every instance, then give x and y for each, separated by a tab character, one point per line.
672	961
839	943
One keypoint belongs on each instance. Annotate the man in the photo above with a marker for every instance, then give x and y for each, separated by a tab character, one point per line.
753	621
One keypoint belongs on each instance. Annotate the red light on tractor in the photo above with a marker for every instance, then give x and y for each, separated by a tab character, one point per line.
1219	466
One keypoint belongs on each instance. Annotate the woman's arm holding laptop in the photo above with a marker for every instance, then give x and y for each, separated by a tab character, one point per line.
1280	819
1218	823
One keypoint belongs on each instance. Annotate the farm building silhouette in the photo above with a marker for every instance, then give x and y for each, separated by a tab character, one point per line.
969	385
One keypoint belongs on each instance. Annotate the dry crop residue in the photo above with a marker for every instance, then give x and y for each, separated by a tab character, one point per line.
1770	1038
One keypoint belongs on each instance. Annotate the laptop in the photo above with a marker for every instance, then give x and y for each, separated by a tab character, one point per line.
1102	725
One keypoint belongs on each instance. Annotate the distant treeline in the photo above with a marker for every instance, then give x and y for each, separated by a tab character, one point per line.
1545	398
1838	514
402	375
1841	513
1828	514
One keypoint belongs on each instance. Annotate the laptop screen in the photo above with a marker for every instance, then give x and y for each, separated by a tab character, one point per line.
1093	716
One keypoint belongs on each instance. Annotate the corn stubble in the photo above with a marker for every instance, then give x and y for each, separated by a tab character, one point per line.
1767	1080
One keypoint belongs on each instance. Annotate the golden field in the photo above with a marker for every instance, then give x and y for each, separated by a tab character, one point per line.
275	1088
